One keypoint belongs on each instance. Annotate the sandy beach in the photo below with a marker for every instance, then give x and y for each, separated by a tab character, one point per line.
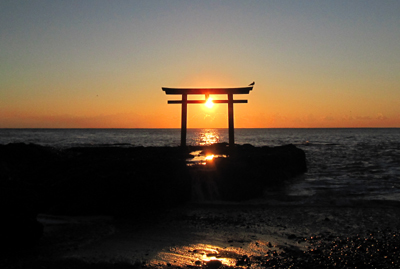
221	235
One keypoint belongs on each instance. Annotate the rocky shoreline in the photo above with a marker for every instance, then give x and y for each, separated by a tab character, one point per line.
107	180
147	208
127	181
215	235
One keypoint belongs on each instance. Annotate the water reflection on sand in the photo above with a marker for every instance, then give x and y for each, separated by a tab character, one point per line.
199	254
201	158
213	256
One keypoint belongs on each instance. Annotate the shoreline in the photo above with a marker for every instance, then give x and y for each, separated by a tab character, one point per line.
140	208
226	236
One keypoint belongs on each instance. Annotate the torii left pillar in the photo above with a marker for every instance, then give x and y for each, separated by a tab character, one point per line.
184	120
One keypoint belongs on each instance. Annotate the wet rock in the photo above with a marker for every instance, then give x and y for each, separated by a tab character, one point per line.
292	236
214	264
250	170
243	261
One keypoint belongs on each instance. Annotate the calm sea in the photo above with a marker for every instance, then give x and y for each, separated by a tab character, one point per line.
345	165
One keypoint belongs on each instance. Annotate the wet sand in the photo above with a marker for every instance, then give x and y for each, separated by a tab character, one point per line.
218	235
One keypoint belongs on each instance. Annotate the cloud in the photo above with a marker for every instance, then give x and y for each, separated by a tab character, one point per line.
209	117
380	116
328	118
363	118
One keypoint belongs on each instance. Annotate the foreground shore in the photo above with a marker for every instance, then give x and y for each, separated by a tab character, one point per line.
147	208
221	235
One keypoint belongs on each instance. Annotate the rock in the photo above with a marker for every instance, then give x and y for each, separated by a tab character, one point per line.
243	261
140	180
292	236
19	228
214	264
250	170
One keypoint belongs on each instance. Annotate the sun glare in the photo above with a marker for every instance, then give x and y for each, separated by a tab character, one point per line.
209	157
209	103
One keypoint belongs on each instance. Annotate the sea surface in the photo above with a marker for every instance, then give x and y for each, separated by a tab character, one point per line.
344	165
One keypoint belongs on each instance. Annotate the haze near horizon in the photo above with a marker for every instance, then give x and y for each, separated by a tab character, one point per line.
101	64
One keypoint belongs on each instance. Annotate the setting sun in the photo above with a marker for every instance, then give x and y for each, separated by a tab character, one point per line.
209	103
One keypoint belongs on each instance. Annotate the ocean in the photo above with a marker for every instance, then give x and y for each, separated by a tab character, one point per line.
344	165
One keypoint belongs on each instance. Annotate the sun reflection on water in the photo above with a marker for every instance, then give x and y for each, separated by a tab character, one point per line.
207	137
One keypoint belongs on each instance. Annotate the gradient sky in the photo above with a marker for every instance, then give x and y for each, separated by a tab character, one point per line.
101	64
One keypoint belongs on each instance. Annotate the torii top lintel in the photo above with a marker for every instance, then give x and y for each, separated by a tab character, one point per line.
240	90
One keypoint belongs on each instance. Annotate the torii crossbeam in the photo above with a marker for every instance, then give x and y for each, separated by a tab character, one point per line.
207	91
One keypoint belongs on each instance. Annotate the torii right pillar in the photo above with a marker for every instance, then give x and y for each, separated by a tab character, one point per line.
231	121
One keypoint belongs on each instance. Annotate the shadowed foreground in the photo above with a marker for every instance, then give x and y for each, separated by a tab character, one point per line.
223	236
127	181
138	207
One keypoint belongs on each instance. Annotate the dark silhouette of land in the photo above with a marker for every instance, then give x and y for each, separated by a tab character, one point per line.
56	202
118	180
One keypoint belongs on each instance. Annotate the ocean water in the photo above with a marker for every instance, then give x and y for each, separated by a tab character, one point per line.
344	165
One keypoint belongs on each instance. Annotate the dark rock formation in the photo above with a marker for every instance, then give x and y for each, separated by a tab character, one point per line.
19	229
137	180
250	170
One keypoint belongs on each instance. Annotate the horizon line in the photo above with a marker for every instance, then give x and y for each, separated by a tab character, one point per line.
127	128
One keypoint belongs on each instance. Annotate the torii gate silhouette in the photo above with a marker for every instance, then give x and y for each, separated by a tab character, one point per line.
207	91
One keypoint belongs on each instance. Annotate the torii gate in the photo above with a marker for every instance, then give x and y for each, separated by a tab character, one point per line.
207	91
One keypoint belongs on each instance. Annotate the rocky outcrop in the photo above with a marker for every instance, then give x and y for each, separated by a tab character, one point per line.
249	170
19	228
139	180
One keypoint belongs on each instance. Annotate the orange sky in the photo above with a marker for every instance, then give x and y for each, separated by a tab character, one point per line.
102	64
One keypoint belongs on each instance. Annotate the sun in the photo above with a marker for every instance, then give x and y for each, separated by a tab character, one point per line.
209	103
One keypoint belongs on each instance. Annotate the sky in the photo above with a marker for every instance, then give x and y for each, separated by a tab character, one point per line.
102	64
